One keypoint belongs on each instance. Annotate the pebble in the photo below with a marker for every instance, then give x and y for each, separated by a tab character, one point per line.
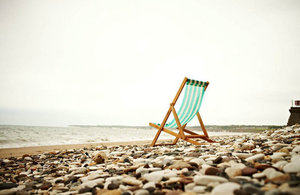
99	157
154	176
233	172
292	167
264	163
255	157
248	171
206	179
225	188
211	171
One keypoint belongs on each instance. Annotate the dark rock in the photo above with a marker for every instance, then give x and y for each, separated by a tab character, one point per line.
294	183
240	192
7	185
209	188
212	171
84	190
189	173
158	193
126	160
218	160
251	189
112	186
100	185
71	179
126	193
46	186
150	189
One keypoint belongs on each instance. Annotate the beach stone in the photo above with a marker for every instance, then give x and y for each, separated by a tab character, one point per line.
272	173
189	187
149	185
247	146
258	175
280	179
28	158
167	173
285	150
84	190
142	192
206	179
218	160
132	181
142	170
273	192
188	193
211	171
198	161
251	189
112	186
7	185
154	176
232	172
255	157
262	166
291	191
46	186
108	192
180	165
292	167
173	193
296	150
225	188
80	170
8	191
92	183
295	158
199	189
242	155
99	157
280	164
277	156
248	171
6	161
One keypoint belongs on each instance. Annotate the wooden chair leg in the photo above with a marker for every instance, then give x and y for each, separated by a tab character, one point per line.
175	140
202	125
161	127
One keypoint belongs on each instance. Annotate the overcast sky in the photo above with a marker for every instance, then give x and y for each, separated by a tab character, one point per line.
120	62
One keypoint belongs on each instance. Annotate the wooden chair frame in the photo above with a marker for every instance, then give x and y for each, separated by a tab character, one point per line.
182	130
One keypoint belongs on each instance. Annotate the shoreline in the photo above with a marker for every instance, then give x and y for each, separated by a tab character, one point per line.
32	150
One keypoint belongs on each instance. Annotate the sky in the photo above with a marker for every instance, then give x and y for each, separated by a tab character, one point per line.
121	62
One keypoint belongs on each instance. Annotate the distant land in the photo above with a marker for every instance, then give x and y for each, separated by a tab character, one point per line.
230	128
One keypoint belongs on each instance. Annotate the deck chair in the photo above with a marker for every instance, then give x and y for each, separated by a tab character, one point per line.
194	91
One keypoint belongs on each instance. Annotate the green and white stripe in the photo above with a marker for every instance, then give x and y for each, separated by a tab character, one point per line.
191	103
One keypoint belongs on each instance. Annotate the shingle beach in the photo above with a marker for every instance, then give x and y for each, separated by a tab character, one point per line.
258	163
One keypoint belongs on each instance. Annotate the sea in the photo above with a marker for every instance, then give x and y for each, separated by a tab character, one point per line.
14	136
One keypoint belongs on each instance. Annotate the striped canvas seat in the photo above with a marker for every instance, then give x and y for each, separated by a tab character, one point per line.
189	108
191	103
